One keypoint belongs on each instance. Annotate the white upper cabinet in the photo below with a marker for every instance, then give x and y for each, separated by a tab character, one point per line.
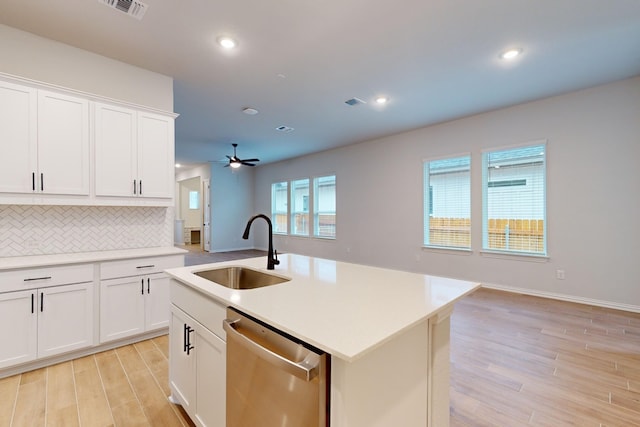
44	140
63	144
115	147
134	153
18	138
67	148
155	155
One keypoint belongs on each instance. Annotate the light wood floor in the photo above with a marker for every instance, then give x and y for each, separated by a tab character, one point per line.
127	386
526	361
516	361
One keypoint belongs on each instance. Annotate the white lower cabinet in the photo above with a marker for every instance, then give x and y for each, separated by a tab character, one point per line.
133	305
44	322
134	296
197	370
18	328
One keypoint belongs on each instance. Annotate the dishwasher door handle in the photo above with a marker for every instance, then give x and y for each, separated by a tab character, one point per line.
306	370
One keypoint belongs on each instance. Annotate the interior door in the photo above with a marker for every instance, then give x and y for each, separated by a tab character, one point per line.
206	213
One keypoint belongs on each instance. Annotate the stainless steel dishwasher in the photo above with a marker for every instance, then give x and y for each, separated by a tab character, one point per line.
273	379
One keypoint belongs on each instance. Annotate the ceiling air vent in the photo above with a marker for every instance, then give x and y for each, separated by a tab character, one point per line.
132	8
285	129
354	101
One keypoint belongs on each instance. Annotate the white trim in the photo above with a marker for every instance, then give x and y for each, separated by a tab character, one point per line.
447	250
90	96
564	297
517	256
541	141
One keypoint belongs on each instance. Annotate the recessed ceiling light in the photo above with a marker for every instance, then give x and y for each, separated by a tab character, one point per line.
178	165
227	42
510	54
381	100
250	111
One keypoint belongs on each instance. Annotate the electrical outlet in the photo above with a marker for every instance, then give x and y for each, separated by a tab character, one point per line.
560	274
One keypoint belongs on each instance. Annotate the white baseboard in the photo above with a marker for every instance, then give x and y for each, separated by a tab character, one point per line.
563	297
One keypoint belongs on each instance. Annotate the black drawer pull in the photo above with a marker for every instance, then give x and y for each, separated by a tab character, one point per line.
37	278
146	266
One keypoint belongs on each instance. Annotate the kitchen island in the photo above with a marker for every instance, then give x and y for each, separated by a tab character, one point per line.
387	332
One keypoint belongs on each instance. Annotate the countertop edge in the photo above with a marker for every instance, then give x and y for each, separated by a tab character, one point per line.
224	296
35	261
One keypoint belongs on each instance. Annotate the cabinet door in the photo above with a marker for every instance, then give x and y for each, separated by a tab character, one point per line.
182	366
211	363
156	168
18	327
115	151
65	318
121	308
18	138
157	311
63	144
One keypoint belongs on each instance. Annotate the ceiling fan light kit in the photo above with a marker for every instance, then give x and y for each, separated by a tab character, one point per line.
235	162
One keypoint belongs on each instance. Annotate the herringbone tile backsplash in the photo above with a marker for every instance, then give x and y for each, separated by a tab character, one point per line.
44	230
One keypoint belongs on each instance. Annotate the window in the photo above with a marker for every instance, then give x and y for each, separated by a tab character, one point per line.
292	202
324	207
514	200
447	202
194	198
279	207
300	207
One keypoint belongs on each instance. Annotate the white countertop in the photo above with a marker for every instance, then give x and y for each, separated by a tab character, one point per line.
10	263
344	309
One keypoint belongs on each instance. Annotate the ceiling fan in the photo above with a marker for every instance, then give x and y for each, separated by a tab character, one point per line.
235	162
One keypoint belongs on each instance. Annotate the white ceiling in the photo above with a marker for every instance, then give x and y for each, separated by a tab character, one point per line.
299	60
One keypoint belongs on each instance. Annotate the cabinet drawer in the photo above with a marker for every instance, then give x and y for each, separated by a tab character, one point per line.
200	307
31	278
139	266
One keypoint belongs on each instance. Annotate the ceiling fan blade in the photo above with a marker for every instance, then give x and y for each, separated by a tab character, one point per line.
250	160
229	157
247	164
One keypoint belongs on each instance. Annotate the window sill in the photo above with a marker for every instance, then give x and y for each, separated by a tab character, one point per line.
519	256
448	250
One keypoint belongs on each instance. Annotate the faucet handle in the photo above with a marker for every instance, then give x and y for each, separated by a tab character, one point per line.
276	261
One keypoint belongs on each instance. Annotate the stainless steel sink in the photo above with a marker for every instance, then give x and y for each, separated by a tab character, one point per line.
241	277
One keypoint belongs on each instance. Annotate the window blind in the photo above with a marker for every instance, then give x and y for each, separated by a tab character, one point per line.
514	199
447	202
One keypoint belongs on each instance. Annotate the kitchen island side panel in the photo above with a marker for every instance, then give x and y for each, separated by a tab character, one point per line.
388	386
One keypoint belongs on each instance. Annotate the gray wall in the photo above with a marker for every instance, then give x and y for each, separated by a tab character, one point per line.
231	207
29	56
593	152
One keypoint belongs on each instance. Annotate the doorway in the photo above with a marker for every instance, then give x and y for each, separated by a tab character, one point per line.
189	213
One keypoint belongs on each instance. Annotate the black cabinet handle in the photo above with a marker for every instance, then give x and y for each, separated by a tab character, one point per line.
33	181
41	182
141	187
148	285
141	286
134	187
186	339
37	278
146	266
41	302
189	346
32	303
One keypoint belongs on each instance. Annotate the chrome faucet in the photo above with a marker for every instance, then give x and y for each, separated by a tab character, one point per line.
272	256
